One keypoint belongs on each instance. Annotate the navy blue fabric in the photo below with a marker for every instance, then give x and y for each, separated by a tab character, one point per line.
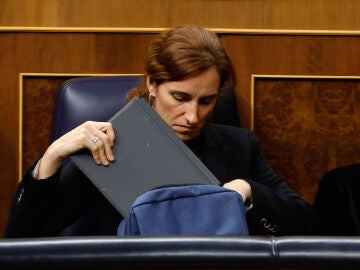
186	210
89	98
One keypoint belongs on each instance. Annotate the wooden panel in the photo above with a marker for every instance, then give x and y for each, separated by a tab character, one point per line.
62	53
90	53
289	55
246	14
307	126
38	103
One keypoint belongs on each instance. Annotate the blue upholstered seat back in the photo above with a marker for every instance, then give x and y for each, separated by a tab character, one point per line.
89	98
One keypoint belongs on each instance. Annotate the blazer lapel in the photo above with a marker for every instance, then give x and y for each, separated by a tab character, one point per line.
215	153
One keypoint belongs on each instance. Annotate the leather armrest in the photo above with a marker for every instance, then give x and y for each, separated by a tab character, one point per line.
180	252
122	253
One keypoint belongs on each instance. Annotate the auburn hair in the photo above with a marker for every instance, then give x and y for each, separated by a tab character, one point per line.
183	52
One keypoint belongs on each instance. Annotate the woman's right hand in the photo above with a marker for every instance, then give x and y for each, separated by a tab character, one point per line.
98	137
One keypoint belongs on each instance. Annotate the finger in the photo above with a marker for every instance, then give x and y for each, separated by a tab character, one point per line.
98	149
103	158
104	145
109	153
94	148
109	141
109	131
99	142
98	153
93	143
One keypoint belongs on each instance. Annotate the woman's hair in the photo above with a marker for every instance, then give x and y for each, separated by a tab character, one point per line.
183	52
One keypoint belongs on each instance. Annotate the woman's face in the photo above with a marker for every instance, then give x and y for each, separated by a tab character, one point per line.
186	105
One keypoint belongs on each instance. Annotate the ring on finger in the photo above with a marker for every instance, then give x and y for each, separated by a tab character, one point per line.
95	139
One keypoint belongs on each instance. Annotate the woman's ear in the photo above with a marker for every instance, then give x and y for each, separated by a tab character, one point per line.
150	85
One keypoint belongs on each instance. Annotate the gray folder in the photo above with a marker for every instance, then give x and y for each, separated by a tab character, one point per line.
148	155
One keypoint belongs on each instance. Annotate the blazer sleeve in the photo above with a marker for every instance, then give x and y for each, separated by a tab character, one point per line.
44	208
277	209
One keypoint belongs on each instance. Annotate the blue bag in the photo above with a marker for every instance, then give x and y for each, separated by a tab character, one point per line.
186	210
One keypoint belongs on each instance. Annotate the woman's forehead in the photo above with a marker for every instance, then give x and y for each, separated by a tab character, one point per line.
207	81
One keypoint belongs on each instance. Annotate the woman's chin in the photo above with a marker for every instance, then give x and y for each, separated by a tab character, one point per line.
186	136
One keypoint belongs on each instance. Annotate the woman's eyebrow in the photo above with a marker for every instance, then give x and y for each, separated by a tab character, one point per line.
211	96
179	92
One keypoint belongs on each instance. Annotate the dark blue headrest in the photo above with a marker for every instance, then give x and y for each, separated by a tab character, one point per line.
89	98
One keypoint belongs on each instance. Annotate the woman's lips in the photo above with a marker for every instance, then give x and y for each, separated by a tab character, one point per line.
185	128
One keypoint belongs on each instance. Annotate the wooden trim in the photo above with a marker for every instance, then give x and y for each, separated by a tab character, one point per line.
157	30
82	29
20	126
74	74
311	77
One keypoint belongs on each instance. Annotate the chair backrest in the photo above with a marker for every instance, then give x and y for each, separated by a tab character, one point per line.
89	98
97	99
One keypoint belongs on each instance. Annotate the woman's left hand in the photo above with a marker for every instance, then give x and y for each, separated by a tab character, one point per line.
242	187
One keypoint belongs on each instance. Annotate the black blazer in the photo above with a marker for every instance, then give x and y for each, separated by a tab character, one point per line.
48	207
338	202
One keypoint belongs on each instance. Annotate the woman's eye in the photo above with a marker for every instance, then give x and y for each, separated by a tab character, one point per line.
177	98
180	98
206	101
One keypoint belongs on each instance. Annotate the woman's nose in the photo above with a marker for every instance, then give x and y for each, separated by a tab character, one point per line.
192	114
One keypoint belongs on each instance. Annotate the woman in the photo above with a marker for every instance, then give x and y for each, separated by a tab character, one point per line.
186	71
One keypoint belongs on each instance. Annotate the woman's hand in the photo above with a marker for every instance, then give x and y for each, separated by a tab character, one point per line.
98	137
242	187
